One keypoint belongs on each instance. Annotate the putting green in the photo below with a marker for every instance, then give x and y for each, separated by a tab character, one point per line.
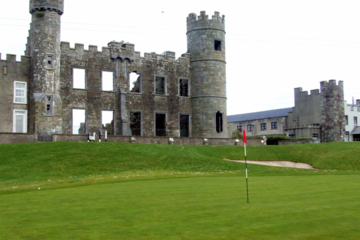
281	207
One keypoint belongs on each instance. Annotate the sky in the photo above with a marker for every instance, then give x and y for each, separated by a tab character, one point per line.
272	46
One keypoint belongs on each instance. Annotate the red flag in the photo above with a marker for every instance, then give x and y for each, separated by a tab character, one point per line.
244	137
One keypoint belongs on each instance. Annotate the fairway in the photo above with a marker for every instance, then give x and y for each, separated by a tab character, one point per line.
147	191
301	207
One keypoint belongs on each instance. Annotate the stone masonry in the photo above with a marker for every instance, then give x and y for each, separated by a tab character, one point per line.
184	97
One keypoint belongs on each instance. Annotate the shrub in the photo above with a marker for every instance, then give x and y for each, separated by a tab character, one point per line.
236	134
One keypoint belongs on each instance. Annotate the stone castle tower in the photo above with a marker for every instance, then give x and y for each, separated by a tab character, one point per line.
45	108
206	45
332	111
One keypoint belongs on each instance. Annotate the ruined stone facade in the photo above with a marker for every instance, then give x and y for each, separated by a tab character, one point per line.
56	89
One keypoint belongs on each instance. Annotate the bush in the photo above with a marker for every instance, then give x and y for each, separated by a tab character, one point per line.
236	134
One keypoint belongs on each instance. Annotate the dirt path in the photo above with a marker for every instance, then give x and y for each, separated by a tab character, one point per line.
277	163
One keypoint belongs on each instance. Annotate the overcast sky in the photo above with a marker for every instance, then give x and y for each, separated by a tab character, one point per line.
272	46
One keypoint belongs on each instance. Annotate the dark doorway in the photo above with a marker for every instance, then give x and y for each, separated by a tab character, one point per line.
184	126
135	123
219	122
160	124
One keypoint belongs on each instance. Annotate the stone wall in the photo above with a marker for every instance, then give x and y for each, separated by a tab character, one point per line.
17	138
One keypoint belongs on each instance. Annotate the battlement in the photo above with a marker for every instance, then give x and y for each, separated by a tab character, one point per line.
331	84
121	50
299	93
11	58
46	5
202	21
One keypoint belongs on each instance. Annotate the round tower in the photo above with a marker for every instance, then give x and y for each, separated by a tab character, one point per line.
44	49
206	45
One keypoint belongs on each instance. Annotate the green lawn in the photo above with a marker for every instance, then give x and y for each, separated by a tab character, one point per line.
139	191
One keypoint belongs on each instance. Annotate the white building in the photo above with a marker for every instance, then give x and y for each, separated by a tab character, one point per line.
352	117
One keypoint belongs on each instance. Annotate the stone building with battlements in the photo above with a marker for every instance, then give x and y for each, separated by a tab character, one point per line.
57	89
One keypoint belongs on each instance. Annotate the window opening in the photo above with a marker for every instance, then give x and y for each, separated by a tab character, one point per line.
239	128
135	123
107	121
184	87
20	121
355	121
79	78
160	124
5	70
217	45
219	122
292	135
263	126
19	92
184	126
160	85
250	128
49	104
346	120
274	125
49	60
107	81
78	121
135	85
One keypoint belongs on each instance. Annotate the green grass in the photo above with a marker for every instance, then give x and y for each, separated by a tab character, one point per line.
140	191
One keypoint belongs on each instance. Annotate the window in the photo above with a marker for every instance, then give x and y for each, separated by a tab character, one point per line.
263	126
5	70
292	135
20	121
135	124
49	104
160	124
250	128
219	122
78	78
107	122
346	120
217	45
49	61
78	121
294	122
239	128
160	85
107	81
20	92
315	136
355	121
184	125
274	125
184	87
134	82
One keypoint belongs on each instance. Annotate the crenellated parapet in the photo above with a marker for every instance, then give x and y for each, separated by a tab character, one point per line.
300	95
47	5
122	51
202	21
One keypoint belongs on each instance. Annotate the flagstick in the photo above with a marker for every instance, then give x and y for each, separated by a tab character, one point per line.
247	188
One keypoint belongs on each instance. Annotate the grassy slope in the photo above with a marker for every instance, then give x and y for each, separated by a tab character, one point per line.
51	164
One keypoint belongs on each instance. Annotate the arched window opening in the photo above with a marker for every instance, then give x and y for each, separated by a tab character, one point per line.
219	122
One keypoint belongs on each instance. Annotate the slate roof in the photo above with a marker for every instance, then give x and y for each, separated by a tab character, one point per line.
356	130
259	115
